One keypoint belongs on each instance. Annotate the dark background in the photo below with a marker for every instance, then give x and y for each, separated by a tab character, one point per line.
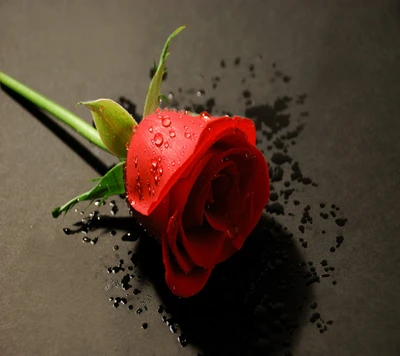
344	55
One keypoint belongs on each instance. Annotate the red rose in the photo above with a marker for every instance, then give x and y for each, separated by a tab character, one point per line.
199	185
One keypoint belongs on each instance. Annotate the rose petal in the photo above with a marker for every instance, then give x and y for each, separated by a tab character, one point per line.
223	211
227	251
187	138
203	245
181	257
180	283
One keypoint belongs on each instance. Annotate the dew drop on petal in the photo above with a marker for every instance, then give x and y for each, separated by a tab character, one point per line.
158	139
166	121
166	144
151	129
172	133
188	135
154	163
185	127
135	160
160	170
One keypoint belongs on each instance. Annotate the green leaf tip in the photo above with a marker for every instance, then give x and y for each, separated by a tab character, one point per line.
114	124
153	93
111	184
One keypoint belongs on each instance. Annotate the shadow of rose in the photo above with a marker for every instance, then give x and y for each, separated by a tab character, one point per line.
253	302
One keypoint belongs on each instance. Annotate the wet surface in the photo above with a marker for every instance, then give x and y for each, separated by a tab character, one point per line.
322	94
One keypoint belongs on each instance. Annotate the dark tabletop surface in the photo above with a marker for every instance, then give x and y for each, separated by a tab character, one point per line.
326	72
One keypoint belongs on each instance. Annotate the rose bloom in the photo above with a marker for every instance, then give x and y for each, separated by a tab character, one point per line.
199	185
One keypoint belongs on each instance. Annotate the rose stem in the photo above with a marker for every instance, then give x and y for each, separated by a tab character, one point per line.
64	115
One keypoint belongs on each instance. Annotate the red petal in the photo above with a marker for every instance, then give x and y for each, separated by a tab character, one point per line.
203	245
180	283
227	251
187	139
181	257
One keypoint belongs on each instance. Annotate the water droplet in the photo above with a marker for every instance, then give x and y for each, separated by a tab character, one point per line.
170	95
166	144
160	170
158	139
151	129
185	127
154	163
135	160
188	135
173	163
172	134
166	121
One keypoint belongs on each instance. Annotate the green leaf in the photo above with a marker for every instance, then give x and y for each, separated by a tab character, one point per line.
114	124
111	184
153	92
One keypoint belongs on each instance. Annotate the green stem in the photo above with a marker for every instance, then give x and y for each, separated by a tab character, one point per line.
64	115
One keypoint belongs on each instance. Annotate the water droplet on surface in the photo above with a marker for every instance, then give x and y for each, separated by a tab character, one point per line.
151	129
68	231
145	326
136	160
166	144
158	139
185	127
188	135
154	163
172	134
